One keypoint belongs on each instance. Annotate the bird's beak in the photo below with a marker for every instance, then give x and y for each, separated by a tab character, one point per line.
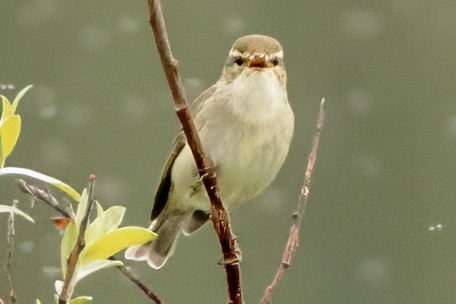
258	62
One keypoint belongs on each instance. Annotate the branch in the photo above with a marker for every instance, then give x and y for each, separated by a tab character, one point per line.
149	293
293	237
78	247
45	196
219	216
9	258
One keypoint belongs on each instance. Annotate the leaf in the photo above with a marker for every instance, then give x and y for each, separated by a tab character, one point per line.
111	243
9	209
84	271
9	132
82	207
105	222
68	241
10	125
81	300
19	97
7	110
42	177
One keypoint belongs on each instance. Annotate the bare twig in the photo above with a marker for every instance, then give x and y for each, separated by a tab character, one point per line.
45	196
78	247
9	257
147	291
219	216
293	237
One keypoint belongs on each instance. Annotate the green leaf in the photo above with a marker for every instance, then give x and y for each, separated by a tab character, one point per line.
82	207
84	271
105	222
10	125
19	97
111	243
42	177
12	209
9	132
68	241
81	300
7	110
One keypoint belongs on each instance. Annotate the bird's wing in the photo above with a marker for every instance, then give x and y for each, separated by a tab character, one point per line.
161	196
199	102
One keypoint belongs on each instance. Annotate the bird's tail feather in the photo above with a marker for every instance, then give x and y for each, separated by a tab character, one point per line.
157	252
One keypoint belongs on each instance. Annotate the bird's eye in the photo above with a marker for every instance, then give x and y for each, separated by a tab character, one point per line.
239	61
275	61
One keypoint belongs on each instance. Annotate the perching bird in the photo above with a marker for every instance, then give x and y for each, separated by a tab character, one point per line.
245	124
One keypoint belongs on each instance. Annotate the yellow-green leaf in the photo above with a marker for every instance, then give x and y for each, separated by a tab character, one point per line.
83	271
7	109
42	177
68	242
10	131
82	207
105	222
19	97
115	241
9	209
81	300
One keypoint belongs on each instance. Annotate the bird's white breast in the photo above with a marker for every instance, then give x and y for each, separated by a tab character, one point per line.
246	130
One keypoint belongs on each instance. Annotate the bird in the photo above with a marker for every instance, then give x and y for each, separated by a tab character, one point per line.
245	124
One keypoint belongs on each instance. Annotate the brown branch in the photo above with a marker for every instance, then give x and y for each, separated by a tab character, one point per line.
78	247
147	291
45	196
293	237
219	216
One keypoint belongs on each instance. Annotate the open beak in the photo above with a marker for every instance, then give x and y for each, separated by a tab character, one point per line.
257	63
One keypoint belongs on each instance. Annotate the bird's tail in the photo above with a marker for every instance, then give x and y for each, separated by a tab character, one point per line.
157	252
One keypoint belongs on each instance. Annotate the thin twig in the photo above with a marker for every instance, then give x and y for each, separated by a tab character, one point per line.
9	257
78	247
293	237
45	196
219	216
147	291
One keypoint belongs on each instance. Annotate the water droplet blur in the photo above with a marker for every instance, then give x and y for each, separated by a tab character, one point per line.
407	7
437	227
45	98
112	190
76	115
451	125
55	153
359	101
27	246
369	165
94	37
6	86
272	199
234	24
52	272
361	23
372	270
129	24
35	13
134	108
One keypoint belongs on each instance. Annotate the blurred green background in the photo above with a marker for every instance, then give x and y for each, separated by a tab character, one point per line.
380	224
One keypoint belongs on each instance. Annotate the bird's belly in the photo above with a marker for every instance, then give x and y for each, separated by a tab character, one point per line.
246	163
